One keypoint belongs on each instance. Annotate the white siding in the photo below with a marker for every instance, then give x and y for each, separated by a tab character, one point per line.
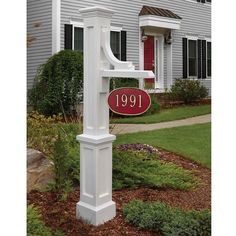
38	11
196	21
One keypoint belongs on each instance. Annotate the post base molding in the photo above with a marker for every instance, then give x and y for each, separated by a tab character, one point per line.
96	215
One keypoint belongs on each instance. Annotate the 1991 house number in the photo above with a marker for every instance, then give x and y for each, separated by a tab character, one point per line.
129	101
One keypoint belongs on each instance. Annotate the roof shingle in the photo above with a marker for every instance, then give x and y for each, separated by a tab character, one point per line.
147	10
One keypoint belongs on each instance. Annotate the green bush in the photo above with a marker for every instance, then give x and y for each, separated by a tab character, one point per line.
66	159
35	225
187	90
58	83
57	141
166	220
155	106
42	132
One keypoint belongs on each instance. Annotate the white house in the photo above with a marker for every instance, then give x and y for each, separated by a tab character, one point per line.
172	38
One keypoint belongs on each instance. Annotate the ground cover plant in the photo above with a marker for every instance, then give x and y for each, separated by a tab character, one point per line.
135	168
166	115
35	225
193	142
166	220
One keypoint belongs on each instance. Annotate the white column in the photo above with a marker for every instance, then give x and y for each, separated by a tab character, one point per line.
56	26
95	205
169	65
141	58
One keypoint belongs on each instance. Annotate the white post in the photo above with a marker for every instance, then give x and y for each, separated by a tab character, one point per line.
96	205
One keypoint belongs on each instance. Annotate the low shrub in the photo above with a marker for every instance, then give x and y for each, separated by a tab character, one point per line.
166	220
57	84
66	159
57	141
35	225
42	132
187	90
132	169
155	106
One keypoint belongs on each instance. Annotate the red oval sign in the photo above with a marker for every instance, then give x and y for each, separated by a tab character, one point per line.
129	101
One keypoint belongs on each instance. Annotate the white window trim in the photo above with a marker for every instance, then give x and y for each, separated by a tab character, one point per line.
194	37
56	26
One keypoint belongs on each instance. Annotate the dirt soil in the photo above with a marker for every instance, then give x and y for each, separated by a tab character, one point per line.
59	214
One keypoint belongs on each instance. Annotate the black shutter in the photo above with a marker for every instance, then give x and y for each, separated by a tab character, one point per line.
198	0
199	59
68	37
203	59
185	58
123	45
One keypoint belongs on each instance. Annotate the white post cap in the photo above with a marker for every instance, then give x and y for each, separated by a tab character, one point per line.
96	11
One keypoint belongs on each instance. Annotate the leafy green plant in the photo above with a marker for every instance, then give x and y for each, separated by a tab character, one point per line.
42	132
57	141
166	220
149	85
187	90
155	106
35	225
58	83
132	169
66	159
123	82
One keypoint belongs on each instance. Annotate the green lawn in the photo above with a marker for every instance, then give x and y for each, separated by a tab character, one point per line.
166	115
193	142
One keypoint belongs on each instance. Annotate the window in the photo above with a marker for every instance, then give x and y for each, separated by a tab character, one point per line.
204	1
115	44
196	58
192	57
73	39
114	40
78	39
208	58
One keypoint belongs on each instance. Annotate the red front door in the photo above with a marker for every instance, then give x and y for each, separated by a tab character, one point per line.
149	61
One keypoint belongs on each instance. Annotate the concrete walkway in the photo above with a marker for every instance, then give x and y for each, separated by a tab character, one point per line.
133	128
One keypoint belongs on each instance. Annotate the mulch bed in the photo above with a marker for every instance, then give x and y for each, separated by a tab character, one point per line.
58	214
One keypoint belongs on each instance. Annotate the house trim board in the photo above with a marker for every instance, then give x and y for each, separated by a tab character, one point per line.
56	26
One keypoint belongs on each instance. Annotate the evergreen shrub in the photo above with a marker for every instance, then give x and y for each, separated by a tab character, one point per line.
57	84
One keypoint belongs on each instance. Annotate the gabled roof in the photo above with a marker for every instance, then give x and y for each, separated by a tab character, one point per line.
147	10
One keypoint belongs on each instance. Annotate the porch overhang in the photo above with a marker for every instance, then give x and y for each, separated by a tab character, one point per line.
159	21
159	17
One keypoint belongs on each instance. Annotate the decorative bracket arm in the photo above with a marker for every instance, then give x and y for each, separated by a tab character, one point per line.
118	65
124	69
